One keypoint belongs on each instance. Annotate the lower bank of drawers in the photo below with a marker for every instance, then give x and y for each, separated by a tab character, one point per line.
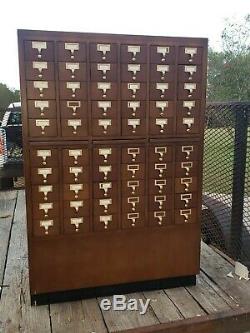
100	187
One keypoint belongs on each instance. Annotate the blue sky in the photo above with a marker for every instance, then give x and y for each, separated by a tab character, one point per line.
194	18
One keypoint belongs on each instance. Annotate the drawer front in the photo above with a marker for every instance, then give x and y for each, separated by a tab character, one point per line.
76	156
105	155
162	73
74	127
105	172
72	71
186	184
46	210
104	109
44	175
133	91
74	110
185	216
133	171
39	50
78	225
133	53
44	157
75	174
188	125
133	187
107	205
134	126
162	54
134	72
186	168
71	51
160	218
45	193
188	108
105	127
160	153
103	72
133	204
75	191
39	109
160	186
162	91
103	52
42	127
160	202
105	189
189	90
46	227
189	151
189	73
134	109
160	170
162	109
73	90
41	90
190	55
103	91
186	200
133	220
39	70
106	222
133	154
161	126
76	208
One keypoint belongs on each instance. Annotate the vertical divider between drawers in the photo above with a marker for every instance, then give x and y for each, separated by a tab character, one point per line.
91	184
119	146
147	140
61	188
173	182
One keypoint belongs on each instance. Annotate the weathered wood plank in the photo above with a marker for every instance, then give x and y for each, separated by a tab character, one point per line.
121	320
80	316
16	314
184	302
7	206
217	269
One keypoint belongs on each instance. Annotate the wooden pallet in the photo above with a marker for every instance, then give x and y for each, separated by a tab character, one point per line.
216	304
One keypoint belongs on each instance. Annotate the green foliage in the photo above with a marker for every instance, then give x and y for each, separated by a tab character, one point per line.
229	70
8	96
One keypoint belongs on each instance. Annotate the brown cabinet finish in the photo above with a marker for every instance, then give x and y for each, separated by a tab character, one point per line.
113	143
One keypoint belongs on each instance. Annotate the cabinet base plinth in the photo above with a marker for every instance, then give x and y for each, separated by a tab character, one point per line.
118	289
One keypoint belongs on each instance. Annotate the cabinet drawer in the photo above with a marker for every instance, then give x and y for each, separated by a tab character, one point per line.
133	187
189	151
75	156
44	157
133	204
160	218
104	109
190	55
189	73
71	51
134	109
160	202
189	90
74	109
185	184
44	175
133	220
186	200
106	222
42	109
133	171
134	72
105	172
75	191
160	153
188	125
161	126
78	224
103	52
72	71
160	170
162	91
162	73
133	91
162	54
75	174
46	227
42	127
187	215
103	91
133	154
134	126
103	72
186	168
107	205
188	108
133	53
39	70
160	186
39	50
105	189
162	109
105	127
75	208
74	90
45	193
105	155
45	210
41	90
74	127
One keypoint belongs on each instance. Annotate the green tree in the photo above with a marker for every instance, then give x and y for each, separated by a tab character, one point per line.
229	70
8	96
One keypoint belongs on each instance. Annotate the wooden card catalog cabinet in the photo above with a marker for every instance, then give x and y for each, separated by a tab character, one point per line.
113	141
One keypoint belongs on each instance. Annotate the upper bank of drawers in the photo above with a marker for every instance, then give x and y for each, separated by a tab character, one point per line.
80	90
